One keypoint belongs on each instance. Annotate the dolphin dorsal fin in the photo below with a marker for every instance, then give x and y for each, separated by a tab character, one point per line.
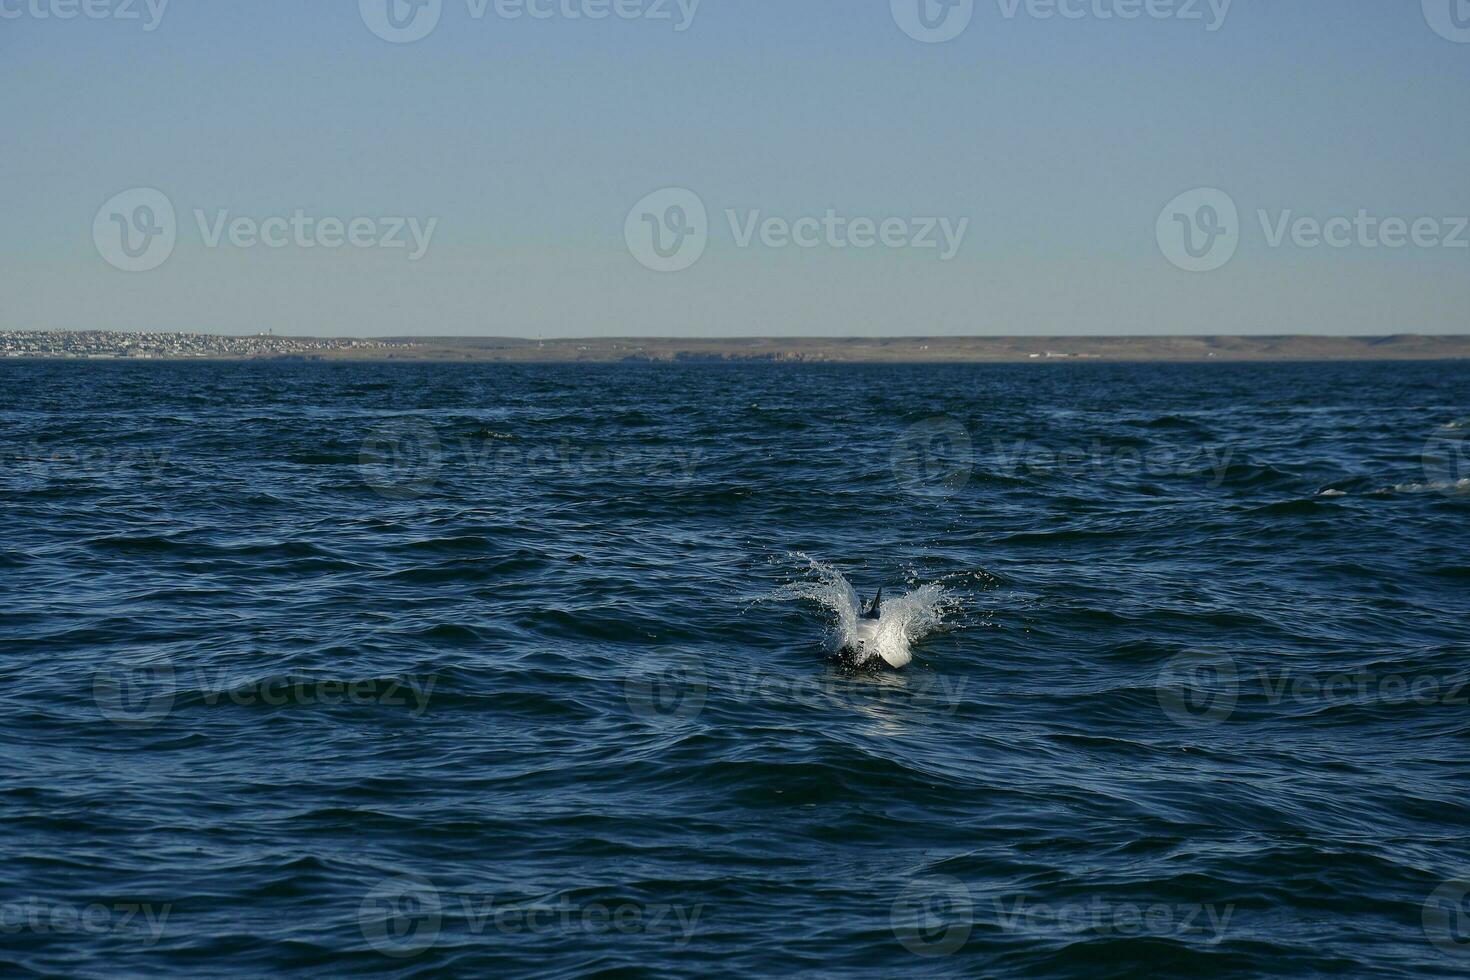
877	607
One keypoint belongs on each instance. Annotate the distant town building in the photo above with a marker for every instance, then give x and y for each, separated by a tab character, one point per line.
102	344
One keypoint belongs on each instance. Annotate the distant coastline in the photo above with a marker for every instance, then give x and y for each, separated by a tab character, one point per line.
111	345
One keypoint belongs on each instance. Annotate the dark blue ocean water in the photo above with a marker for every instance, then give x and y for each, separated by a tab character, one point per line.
494	671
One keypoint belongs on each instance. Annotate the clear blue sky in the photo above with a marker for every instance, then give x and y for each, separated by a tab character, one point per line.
530	140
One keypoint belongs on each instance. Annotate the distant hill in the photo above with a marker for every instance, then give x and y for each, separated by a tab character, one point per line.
926	349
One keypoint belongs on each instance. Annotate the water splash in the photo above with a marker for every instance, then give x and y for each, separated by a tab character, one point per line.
905	619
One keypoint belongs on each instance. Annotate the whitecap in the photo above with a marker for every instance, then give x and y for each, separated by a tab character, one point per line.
1433	486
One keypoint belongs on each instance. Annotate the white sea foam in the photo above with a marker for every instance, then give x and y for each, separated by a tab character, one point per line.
904	620
1433	486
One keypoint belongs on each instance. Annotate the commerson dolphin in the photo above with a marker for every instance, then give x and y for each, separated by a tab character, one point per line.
865	633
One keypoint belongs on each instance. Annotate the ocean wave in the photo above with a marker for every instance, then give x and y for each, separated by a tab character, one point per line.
208	674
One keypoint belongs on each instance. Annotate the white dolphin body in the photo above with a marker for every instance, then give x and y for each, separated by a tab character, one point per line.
873	635
864	642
